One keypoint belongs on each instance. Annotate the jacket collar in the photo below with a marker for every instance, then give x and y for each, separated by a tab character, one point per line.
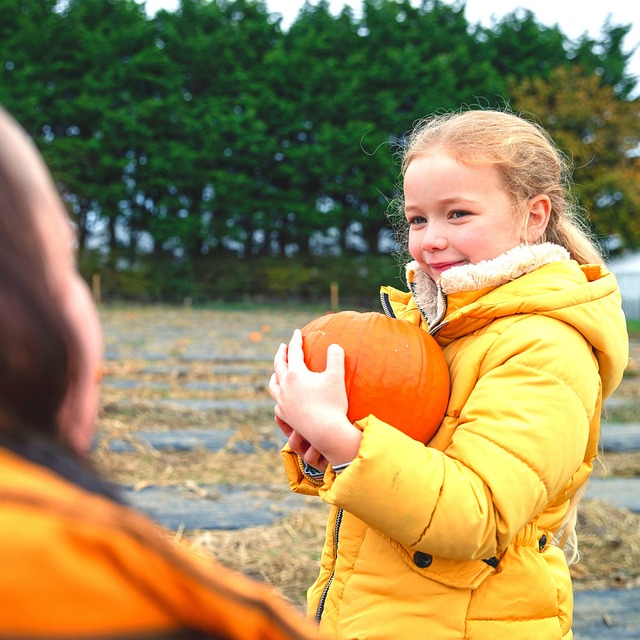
431	297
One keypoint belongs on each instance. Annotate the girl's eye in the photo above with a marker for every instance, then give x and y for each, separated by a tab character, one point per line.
417	221
459	214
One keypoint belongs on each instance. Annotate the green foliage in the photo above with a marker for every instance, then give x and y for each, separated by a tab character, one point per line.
633	327
212	155
600	134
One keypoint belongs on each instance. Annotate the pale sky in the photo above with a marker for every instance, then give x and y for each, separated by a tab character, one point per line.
574	17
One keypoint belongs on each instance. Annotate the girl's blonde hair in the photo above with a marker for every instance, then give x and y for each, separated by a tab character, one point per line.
527	161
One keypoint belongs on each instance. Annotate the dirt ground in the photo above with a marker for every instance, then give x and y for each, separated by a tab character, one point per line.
158	356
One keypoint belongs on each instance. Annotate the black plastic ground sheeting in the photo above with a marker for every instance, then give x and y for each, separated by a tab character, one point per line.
212	507
620	492
619	436
607	615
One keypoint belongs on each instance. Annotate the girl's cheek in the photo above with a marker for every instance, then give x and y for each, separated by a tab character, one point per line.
414	245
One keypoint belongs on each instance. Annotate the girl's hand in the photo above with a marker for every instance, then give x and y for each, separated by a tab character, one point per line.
299	445
313	405
296	442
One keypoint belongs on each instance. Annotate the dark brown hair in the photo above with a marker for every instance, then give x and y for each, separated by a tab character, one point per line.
38	353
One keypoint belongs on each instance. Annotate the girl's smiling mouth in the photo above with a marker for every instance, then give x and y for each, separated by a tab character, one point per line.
444	266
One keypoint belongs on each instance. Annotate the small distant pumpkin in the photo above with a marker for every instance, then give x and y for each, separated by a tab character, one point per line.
393	369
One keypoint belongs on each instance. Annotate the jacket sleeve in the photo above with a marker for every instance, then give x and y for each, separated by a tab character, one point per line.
519	421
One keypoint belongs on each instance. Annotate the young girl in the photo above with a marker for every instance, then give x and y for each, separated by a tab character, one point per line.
76	561
456	539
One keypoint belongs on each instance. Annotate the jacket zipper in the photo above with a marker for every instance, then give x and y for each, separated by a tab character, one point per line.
438	324
325	591
386	305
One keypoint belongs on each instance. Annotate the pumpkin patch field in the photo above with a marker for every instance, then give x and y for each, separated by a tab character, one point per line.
186	415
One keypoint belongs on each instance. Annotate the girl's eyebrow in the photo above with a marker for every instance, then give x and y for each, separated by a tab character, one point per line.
457	199
446	201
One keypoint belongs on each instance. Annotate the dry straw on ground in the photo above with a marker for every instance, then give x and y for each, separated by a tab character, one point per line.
285	555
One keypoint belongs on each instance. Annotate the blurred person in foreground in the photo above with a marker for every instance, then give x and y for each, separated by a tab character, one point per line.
78	562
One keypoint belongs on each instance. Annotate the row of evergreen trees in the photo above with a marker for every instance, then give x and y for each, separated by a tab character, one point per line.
186	141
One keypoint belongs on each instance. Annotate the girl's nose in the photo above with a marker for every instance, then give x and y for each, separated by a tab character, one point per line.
433	238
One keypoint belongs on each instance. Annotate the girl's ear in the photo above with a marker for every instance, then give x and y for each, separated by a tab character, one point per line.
539	209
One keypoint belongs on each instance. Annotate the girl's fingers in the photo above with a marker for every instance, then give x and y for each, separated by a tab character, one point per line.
314	458
298	444
280	359
284	427
273	386
295	352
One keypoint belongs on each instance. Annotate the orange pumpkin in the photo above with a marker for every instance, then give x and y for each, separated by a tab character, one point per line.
393	369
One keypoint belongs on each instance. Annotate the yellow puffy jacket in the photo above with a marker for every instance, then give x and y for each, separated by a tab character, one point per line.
454	539
79	565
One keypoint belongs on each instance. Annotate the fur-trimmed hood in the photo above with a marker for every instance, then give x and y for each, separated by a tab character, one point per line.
475	277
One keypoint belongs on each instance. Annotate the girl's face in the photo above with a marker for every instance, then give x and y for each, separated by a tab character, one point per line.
460	214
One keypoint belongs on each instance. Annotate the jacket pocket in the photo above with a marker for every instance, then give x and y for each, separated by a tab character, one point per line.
458	574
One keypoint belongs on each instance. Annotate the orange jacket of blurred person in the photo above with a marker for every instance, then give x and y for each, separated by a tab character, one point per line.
78	564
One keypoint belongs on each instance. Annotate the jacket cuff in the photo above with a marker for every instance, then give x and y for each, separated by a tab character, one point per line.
302	478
